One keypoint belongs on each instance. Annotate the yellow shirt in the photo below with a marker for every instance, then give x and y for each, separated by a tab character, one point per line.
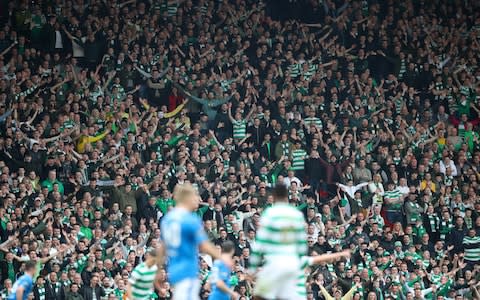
86	139
423	185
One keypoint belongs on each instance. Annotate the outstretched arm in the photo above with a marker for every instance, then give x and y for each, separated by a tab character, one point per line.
29	121
325	293
54	138
214	137
190	96
254	108
93	139
8	49
230	113
6	115
316	260
244	139
142	72
218	102
349	295
360	185
175	111
342	187
208	248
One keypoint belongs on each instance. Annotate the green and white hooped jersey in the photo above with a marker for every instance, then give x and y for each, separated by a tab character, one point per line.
305	262
141	281
239	129
281	232
298	159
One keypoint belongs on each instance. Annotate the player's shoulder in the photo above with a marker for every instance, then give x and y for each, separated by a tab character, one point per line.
218	264
25	279
177	215
191	219
283	210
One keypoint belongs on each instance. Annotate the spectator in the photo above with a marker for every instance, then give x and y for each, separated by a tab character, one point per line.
93	291
105	107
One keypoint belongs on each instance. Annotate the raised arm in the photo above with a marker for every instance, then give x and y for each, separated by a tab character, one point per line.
5	115
472	105
360	185
109	79
349	294
126	3
69	35
54	138
107	160
230	113
142	72
316	260
218	102
247	136
176	110
8	49
190	96
250	113
164	72
55	87
342	186
153	85
93	139
132	91
325	293
212	133
46	259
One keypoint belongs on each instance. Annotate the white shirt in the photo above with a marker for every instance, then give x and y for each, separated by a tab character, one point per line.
378	196
58	40
288	181
451	165
351	190
77	48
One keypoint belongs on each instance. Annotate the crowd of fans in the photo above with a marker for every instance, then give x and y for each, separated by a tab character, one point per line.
367	110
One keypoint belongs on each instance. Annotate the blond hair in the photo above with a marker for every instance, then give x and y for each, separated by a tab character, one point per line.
183	191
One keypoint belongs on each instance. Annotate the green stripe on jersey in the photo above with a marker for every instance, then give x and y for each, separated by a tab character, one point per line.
239	129
313	120
301	288
394	195
298	159
281	232
142	281
471	247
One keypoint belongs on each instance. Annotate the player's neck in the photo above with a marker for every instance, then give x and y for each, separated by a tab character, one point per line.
29	273
183	207
150	262
226	256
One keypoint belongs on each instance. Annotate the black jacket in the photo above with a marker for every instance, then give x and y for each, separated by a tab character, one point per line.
4	268
55	294
87	293
73	296
149	212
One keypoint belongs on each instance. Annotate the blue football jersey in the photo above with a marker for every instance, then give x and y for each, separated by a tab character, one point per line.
220	272
24	281
182	233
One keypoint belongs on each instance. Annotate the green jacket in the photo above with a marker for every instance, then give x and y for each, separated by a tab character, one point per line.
73	296
49	184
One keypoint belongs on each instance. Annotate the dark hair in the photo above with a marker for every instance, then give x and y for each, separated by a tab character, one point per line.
280	192
228	246
29	265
